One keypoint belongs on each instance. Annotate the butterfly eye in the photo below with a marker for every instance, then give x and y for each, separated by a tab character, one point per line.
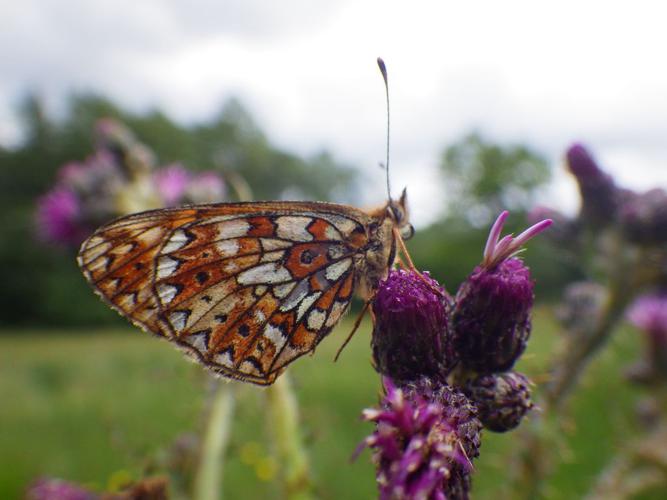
407	231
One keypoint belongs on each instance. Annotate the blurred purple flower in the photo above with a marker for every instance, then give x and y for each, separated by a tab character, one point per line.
491	318
649	314
425	438
598	191
57	489
171	183
206	187
58	217
643	217
410	336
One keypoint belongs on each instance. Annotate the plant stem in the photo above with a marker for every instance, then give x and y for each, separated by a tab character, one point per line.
208	477
284	418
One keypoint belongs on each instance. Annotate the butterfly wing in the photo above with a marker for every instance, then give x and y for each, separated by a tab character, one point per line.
245	288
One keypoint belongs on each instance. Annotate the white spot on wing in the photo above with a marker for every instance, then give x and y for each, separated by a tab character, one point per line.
272	256
224	359
273	244
166	292
306	303
176	241
260	316
275	335
337	311
335	271
281	291
315	319
293	228
166	266
198	341
234	228
178	319
228	248
295	296
266	273
249	368
96	249
344	225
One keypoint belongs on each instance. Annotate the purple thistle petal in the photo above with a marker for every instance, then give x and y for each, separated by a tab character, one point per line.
494	234
58	218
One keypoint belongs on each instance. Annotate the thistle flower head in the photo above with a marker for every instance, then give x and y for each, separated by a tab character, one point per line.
410	335
491	318
425	438
502	399
57	489
597	188
643	217
58	217
171	183
206	187
649	313
498	250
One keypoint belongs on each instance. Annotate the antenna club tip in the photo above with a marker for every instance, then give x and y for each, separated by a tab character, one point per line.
383	67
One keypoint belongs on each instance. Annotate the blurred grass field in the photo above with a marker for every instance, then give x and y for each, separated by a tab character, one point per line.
90	406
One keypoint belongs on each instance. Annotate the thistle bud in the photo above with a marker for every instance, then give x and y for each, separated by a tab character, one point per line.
643	217
491	319
410	335
502	399
597	188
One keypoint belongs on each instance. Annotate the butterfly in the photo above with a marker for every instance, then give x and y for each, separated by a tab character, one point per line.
244	288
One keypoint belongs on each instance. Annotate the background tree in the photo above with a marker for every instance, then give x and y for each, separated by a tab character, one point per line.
483	178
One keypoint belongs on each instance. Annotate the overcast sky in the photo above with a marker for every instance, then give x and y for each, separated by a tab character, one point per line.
547	73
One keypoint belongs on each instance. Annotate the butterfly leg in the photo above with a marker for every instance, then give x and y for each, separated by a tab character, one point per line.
357	322
411	265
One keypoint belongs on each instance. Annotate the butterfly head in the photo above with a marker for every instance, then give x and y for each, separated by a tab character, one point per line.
397	211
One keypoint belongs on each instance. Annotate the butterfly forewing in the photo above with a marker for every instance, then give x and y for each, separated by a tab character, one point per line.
244	288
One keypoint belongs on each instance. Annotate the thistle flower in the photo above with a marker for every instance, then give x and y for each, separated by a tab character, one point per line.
57	489
649	314
501	399
206	187
58	217
425	438
491	318
643	217
410	335
598	191
171	183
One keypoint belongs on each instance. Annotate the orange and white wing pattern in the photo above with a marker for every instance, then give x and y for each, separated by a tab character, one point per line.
244	288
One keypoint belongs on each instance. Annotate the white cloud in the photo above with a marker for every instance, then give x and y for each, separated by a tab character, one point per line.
517	70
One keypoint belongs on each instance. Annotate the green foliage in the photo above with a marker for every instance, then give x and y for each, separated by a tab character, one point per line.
89	405
483	178
451	248
41	285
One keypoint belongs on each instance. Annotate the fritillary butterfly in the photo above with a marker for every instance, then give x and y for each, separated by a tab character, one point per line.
243	288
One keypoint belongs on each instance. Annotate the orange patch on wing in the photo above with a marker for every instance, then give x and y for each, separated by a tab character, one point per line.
318	228
306	258
346	288
198	279
261	227
303	338
326	300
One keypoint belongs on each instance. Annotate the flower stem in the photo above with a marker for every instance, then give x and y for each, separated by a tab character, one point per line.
284	418
208	477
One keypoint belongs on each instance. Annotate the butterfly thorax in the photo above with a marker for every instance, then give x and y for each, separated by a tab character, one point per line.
374	264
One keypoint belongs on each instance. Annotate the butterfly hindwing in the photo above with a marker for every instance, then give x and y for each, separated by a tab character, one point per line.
244	288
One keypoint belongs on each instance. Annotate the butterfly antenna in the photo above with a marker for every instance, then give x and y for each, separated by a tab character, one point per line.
383	70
